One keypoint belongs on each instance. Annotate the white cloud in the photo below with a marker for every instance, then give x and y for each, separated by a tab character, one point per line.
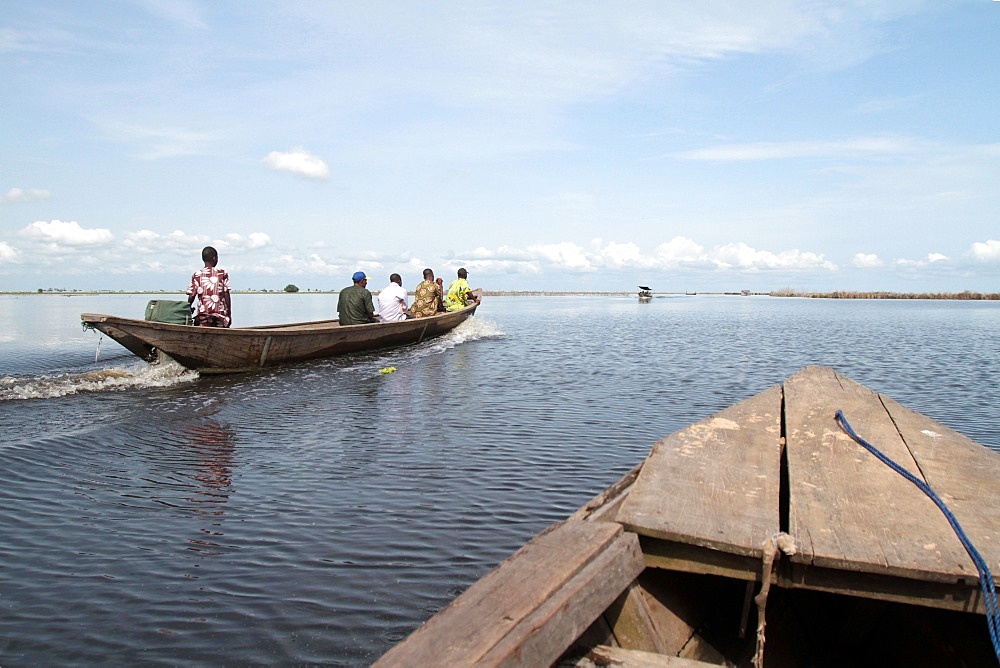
866	260
70	233
297	161
623	255
565	254
742	256
20	195
237	243
7	252
147	242
259	240
988	251
931	258
182	243
680	250
562	53
316	264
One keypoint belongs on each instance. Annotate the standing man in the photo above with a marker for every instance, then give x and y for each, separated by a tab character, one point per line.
459	292
392	300
211	286
355	304
428	296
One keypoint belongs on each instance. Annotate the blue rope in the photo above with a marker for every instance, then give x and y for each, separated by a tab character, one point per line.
985	577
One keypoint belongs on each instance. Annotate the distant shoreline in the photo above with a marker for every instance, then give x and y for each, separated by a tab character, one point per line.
837	294
840	294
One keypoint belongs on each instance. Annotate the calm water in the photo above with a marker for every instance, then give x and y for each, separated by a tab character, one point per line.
320	512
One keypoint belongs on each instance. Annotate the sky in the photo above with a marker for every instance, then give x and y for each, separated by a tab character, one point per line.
594	146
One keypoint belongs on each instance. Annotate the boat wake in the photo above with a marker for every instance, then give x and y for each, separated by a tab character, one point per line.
50	386
473	329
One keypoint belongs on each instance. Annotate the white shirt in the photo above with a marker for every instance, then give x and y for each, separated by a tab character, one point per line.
390	300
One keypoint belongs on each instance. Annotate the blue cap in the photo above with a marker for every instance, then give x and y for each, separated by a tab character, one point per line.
360	276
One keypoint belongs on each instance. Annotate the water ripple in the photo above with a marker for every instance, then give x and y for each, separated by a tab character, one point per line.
318	513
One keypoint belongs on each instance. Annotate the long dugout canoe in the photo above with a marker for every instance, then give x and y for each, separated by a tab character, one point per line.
213	350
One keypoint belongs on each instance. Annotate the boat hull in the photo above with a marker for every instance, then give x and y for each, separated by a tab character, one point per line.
241	349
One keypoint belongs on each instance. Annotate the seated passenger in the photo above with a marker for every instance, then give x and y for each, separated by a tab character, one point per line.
355	302
459	293
392	300
428	296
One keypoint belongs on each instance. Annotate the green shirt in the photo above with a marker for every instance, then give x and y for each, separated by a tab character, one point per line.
355	306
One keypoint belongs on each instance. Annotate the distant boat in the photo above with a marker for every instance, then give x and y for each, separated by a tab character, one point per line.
645	293
240	349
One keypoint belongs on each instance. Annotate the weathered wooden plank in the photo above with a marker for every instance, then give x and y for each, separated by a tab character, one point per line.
616	656
632	623
571	566
963	473
848	510
961	597
674	556
715	483
542	636
678	605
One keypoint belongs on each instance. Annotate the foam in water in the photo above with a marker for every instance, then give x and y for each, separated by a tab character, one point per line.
101	380
472	329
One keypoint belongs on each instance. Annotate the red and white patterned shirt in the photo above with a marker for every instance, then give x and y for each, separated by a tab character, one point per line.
210	284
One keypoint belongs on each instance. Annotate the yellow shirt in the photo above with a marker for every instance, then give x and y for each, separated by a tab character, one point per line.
458	295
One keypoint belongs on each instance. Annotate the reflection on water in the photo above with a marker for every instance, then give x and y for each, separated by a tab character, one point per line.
212	443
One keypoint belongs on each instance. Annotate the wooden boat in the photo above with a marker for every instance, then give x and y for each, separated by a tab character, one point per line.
763	535
240	349
645	293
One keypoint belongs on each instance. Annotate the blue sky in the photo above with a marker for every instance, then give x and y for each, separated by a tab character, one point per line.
542	145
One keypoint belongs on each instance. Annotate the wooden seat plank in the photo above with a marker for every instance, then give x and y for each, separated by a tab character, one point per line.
848	510
531	606
963	473
714	484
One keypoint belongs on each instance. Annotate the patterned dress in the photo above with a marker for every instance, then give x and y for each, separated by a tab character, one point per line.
426	299
210	285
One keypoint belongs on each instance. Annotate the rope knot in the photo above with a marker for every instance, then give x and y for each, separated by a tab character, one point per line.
785	542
